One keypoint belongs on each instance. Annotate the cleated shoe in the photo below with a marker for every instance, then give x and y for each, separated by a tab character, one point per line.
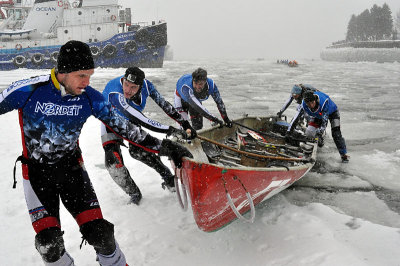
169	183
135	197
345	158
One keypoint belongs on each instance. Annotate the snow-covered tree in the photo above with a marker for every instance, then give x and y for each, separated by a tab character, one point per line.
371	25
397	21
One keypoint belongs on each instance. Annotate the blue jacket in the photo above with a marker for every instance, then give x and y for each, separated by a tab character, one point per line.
185	90
52	120
325	107
132	111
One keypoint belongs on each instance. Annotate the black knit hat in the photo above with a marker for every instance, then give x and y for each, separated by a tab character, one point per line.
309	96
199	74
74	56
134	75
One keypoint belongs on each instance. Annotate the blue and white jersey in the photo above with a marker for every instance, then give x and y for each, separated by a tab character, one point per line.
325	107
51	120
132	110
185	91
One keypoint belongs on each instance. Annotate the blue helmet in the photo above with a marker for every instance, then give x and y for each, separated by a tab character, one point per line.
296	89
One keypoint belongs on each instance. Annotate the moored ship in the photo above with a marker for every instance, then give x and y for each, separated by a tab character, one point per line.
32	32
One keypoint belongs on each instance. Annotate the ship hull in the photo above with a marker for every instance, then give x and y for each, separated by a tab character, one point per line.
143	48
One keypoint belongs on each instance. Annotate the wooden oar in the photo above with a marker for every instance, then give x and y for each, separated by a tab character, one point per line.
249	153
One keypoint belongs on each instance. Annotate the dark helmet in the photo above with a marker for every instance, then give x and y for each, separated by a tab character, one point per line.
309	96
199	74
135	75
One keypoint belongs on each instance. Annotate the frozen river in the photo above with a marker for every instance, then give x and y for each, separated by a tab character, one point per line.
338	214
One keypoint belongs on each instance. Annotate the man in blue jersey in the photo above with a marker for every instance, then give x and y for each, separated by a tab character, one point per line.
322	109
129	94
191	91
52	111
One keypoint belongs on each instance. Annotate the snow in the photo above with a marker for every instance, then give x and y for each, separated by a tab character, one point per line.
338	214
349	54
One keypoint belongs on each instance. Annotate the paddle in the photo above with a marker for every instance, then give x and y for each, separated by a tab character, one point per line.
249	153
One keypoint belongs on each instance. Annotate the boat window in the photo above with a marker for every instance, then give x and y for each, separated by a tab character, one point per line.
18	14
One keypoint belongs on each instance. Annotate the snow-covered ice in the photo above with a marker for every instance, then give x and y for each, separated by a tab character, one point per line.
338	214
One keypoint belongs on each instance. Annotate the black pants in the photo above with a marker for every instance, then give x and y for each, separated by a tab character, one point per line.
195	117
46	184
115	165
334	119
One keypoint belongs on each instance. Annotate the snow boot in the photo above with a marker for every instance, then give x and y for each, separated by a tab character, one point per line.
345	158
136	196
169	183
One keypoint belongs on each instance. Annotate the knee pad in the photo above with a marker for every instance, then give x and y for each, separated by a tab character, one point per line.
100	234
50	244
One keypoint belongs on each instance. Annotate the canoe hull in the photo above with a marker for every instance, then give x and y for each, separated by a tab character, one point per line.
208	186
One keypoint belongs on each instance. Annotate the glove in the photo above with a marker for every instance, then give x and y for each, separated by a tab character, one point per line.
228	122
176	132
186	125
174	151
279	114
218	123
221	124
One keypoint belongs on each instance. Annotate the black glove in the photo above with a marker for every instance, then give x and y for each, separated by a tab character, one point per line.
186	125
174	151
279	114
228	122
176	132
218	123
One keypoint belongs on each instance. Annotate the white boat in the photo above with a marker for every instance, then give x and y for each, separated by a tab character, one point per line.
31	33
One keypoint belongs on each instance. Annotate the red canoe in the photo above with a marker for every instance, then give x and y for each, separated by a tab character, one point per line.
223	184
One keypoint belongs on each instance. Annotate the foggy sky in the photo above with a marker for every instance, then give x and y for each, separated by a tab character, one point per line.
238	29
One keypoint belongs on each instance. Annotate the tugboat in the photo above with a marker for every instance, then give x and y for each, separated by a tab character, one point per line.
32	32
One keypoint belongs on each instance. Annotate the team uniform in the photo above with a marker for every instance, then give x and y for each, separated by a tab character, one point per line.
51	121
326	111
188	101
131	110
